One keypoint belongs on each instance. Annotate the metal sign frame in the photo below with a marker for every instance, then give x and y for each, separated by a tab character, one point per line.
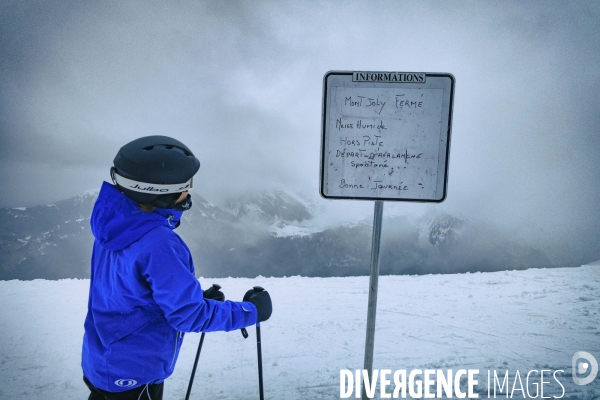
371	80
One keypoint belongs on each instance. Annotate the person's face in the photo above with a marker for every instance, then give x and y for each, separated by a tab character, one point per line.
182	197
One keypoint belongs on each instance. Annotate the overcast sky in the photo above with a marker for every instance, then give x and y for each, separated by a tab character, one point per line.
241	84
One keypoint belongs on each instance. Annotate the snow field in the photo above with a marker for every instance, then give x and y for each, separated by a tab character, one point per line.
510	320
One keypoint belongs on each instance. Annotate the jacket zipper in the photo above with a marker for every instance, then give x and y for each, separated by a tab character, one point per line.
177	336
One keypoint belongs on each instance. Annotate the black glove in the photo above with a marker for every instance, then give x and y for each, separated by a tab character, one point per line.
261	300
214	293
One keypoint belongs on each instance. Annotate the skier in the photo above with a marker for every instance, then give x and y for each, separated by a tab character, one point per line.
143	291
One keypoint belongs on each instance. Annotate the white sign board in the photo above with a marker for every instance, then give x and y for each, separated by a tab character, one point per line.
386	135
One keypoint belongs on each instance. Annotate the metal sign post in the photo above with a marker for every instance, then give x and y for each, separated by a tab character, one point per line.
385	137
373	285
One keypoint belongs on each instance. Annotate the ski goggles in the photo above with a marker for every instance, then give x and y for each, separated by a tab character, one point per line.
150	188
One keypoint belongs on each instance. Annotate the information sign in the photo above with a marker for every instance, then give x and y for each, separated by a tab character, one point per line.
386	135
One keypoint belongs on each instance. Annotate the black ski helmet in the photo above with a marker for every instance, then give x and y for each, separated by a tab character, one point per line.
154	170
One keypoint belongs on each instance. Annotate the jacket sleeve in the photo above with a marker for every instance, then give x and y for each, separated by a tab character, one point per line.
167	267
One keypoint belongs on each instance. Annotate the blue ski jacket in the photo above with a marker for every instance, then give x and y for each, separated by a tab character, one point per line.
144	296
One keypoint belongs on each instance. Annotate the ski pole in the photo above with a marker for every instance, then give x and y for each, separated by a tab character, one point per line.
189	390
215	287
259	351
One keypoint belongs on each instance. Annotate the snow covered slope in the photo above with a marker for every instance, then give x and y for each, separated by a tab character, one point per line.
509	320
269	206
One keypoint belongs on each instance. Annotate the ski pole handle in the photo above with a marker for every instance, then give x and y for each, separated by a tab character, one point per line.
214	293
257	289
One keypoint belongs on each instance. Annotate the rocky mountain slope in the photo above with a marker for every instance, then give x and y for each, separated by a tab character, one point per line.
270	234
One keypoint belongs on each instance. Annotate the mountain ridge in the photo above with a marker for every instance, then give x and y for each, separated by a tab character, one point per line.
271	233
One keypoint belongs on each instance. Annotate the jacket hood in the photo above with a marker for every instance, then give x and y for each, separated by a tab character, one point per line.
117	221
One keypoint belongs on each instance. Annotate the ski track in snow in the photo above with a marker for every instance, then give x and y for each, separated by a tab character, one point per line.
511	320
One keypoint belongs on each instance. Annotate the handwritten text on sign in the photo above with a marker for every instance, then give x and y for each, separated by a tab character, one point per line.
383	142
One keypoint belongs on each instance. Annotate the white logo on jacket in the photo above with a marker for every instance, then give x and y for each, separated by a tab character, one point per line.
125	382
